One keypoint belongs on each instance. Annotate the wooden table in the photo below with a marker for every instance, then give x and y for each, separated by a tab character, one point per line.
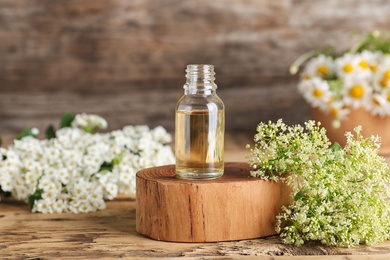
110	233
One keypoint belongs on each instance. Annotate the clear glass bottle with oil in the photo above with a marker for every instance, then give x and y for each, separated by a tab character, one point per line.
200	127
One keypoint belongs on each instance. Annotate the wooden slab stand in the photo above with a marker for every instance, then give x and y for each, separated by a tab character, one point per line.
233	207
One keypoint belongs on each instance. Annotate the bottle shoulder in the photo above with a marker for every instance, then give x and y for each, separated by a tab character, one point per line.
200	102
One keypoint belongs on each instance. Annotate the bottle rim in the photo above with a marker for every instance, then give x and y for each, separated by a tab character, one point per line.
200	76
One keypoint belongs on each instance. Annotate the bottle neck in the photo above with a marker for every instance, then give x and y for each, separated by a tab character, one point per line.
200	79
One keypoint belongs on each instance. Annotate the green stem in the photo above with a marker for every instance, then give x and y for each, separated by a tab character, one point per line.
375	34
294	68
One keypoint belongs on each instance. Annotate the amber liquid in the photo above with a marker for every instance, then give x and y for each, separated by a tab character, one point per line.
199	145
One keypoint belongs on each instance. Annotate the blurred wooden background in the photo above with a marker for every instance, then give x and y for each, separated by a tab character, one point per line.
125	60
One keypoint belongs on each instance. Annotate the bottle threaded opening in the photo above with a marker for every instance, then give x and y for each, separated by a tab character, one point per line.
200	74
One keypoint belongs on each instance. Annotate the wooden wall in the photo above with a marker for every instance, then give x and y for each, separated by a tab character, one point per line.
125	60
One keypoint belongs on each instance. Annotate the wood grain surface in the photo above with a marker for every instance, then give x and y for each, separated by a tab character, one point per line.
235	206
111	233
125	60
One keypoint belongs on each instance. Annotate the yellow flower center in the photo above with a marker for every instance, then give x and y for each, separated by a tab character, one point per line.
388	97
318	93
374	67
357	91
322	70
348	68
363	64
334	111
307	77
387	74
383	82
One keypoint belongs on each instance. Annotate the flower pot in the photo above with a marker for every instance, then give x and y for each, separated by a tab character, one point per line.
371	125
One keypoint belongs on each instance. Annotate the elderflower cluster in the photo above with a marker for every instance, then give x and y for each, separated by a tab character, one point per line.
341	196
78	169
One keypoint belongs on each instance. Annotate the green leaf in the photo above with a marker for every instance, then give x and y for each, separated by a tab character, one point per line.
335	147
336	86
299	195
109	166
26	132
5	194
374	42
66	120
50	132
33	197
106	166
88	129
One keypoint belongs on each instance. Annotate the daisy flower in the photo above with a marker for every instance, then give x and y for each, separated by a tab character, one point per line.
382	76
316	91
337	109
367	62
355	91
357	78
347	65
377	104
321	66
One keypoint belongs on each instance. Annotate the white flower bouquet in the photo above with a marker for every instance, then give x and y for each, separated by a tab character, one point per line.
75	169
359	78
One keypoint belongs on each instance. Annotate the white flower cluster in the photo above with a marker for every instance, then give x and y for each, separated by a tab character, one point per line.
77	170
89	123
350	81
341	196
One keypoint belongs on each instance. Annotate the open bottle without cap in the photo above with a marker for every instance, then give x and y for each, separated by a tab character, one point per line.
200	127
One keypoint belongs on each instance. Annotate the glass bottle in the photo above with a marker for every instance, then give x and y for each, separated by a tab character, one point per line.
200	127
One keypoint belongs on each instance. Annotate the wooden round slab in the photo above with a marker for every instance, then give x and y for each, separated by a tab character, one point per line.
233	207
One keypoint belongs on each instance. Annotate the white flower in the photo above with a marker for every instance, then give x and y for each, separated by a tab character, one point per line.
12	157
77	206
110	190
381	78
356	90
5	182
321	66
59	206
337	110
316	91
43	205
63	176
377	104
330	187
347	65
20	192
77	170
68	137
92	163
160	135
367	62
90	123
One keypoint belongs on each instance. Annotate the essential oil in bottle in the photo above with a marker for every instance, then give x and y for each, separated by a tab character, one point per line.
200	127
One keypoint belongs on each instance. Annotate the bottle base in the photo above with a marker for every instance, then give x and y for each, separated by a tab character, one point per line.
198	174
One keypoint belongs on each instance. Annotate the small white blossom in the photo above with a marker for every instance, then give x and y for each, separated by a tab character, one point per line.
90	123
340	196
78	169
